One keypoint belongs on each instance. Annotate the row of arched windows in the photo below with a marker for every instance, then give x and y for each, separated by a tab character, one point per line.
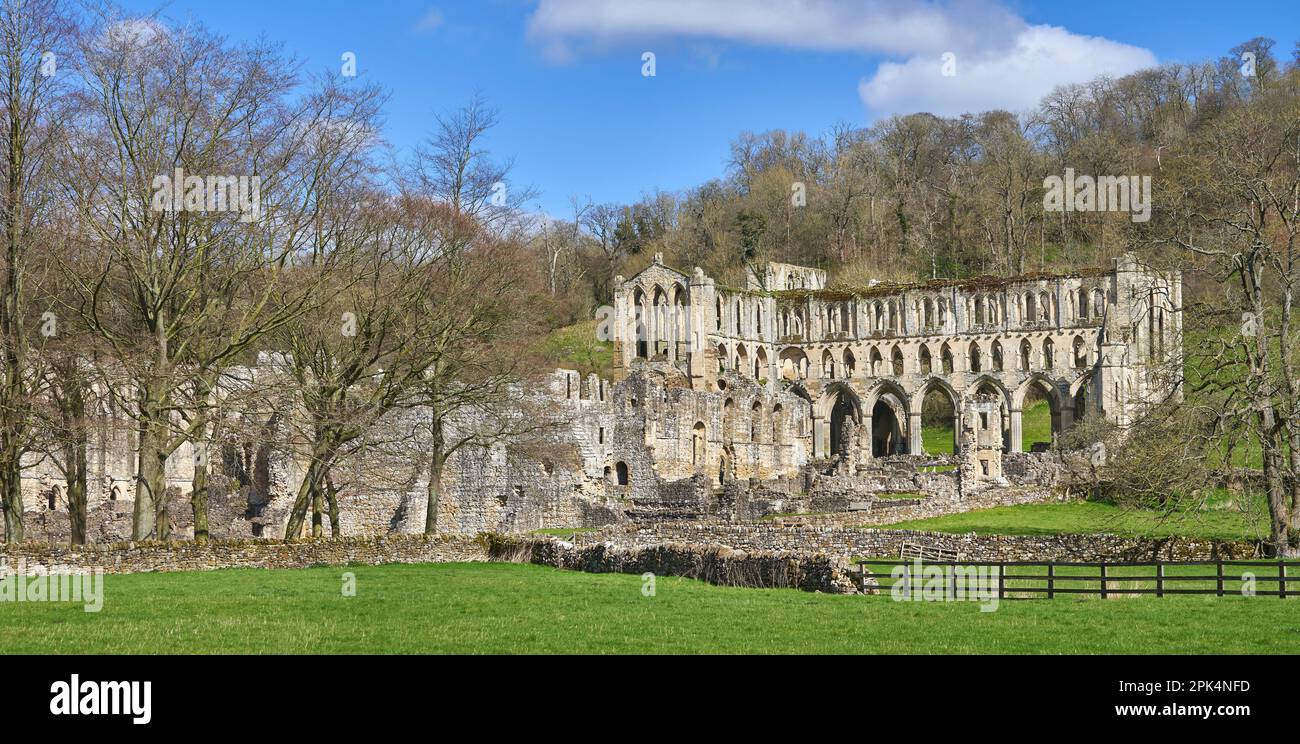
660	319
932	313
1085	303
763	426
793	362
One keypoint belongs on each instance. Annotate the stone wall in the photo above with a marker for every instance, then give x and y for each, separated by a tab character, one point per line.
122	558
878	543
716	564
884	511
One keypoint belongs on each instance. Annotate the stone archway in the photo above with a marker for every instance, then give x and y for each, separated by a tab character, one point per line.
989	385
886	428
939	409
1030	430
845	420
891	422
837	422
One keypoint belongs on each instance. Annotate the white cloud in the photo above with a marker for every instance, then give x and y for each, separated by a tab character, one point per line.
837	25
1002	61
429	22
1016	79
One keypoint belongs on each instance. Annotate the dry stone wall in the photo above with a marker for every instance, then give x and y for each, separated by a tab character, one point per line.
715	564
123	558
883	543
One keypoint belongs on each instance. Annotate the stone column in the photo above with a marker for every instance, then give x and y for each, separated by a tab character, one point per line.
1016	431
865	444
913	433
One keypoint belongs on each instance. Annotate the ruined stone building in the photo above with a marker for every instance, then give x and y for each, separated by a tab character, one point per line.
864	359
726	403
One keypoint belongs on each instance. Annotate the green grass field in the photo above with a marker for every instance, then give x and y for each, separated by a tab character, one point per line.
509	608
1221	523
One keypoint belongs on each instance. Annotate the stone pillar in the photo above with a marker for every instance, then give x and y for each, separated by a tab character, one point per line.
913	433
865	439
819	446
1017	432
703	362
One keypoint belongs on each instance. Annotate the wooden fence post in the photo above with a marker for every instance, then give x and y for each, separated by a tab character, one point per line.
1103	581
1220	582
1002	582
1160	579
1281	579
1051	580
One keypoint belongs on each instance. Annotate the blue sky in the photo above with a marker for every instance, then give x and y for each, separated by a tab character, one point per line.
580	119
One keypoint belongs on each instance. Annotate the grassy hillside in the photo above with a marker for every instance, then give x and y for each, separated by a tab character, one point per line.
1222	519
577	347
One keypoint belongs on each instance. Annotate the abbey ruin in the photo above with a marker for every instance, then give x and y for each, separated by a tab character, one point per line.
782	397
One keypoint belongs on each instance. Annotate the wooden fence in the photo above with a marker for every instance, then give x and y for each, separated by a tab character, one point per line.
1027	579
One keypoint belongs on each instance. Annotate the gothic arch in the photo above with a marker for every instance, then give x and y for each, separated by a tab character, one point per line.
832	392
1051	391
928	385
794	363
1047	384
760	364
937	385
640	315
986	382
888	404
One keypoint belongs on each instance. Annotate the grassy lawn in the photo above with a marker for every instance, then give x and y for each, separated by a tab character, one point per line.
508	608
1088	517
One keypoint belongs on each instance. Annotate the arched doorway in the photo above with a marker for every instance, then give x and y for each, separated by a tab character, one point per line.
938	419
845	421
1083	402
840	412
1040	415
987	386
886	427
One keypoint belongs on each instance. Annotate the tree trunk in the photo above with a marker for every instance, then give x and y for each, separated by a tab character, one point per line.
199	499
150	515
13	505
199	481
308	490
317	529
433	491
76	483
331	497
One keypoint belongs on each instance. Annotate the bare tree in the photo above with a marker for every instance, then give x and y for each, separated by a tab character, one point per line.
35	38
184	287
1235	211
